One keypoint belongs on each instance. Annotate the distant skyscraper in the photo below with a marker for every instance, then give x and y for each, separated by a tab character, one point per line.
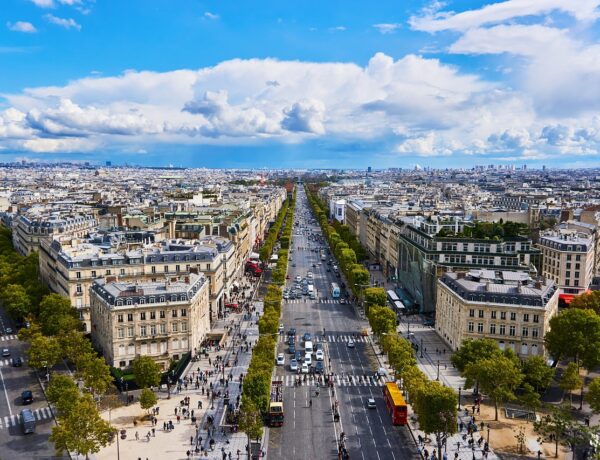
369	169
108	163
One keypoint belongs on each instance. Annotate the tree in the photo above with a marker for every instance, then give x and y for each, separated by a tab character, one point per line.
146	371
375	296
436	410
414	380
76	348
95	374
62	392
593	395
470	352
16	301
575	334
147	399
57	315
557	423
529	398
250	421
43	352
382	320
81	429
589	301
571	380
537	373
497	376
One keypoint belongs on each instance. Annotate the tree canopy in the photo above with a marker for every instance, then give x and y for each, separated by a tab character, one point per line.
146	371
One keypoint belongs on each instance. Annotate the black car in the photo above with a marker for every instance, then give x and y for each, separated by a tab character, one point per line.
292	331
292	348
319	368
26	397
17	362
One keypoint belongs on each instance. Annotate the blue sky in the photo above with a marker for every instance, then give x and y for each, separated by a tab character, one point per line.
300	84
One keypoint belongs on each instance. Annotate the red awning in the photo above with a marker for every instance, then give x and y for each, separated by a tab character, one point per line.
566	298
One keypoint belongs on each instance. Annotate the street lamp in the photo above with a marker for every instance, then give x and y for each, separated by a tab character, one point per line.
438	371
488	439
459	390
127	392
421	347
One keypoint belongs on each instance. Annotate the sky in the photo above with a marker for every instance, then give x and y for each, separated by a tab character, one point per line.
310	84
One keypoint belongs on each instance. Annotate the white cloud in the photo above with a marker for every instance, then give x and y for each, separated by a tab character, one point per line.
209	15
44	3
305	116
387	28
337	29
67	23
424	146
21	26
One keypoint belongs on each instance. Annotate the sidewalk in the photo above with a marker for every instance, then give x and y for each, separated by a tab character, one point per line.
186	435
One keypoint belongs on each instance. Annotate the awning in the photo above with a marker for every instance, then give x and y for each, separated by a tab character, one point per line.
254	256
566	298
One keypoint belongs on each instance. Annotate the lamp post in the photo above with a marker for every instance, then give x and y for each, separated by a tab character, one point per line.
421	347
437	379
127	392
459	390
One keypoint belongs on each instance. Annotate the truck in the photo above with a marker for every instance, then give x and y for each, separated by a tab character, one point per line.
276	403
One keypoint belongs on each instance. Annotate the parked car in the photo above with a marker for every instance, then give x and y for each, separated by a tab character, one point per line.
319	367
27	397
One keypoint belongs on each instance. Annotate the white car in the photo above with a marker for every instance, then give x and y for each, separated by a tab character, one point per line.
281	328
298	278
307	359
320	355
371	403
280	359
304	368
351	343
293	365
309	275
5	352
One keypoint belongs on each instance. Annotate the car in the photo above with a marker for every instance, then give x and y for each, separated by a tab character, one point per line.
429	323
17	362
318	346
319	355
314	265
319	367
328	269
280	359
381	372
308	358
307	337
291	339
27	397
309	275
287	277
351	343
5	352
294	264
298	356
371	403
291	331
286	295
9	330
292	348
304	368
294	365
298	278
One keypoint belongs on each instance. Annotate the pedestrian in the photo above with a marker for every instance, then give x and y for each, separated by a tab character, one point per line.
191	440
153	432
137	436
200	402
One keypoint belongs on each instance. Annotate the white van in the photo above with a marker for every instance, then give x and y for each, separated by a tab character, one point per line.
308	347
311	289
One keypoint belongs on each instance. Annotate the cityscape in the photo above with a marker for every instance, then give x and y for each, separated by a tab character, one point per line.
323	230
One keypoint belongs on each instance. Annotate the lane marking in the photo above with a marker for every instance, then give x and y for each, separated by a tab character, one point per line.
5	393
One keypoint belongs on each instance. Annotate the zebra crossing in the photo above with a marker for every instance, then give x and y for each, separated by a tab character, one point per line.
331	338
307	299
6	338
339	381
8	361
8	421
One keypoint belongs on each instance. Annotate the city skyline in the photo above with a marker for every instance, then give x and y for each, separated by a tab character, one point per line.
452	84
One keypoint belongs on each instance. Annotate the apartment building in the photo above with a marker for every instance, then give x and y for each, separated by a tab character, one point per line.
568	258
507	306
163	320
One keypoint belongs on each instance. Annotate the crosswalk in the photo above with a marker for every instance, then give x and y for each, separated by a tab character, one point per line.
331	338
8	361
8	421
340	381
5	338
307	300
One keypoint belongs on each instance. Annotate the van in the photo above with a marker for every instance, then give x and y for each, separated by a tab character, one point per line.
313	295
27	421
311	289
308	347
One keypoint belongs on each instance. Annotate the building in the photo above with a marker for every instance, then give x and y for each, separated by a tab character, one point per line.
568	258
163	320
506	306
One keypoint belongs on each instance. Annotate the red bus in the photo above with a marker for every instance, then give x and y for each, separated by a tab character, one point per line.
395	403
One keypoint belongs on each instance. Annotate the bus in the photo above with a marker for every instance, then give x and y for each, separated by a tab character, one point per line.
392	297
395	403
335	290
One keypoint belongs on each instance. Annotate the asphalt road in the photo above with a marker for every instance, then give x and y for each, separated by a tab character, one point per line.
310	432
13	380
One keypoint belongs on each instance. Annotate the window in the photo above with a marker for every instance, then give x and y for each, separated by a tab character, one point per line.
568	256
122	272
471	313
568	274
152	315
577	258
492	328
163	328
471	326
534	332
93	273
78	275
503	315
142	300
208	266
481	313
480	328
166	269
576	274
502	329
143	331
120	318
153	269
177	268
184	327
130	332
122	363
525	332
494	314
567	283
174	314
162	314
512	330
143	316
536	318
108	272
174	327
183	312
568	265
79	289
526	317
129	316
576	283
577	266
153	330
513	316
120	333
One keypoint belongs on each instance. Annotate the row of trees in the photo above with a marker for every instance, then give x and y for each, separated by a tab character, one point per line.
257	383
433	403
356	274
267	248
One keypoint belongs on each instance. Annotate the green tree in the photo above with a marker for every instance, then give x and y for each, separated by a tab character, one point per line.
587	301
497	376
593	395
57	315
471	351
44	352
250	421
571	380
382	320
529	398
537	373
62	392
375	296
81	429
95	374
147	399
575	334
146	371
16	301
436	410
76	347
557	423
414	380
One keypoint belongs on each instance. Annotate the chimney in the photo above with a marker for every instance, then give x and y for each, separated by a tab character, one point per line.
519	288
538	285
111	279
460	275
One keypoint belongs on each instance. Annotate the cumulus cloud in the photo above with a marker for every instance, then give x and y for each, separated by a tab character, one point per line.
21	26
387	28
67	23
426	145
305	116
